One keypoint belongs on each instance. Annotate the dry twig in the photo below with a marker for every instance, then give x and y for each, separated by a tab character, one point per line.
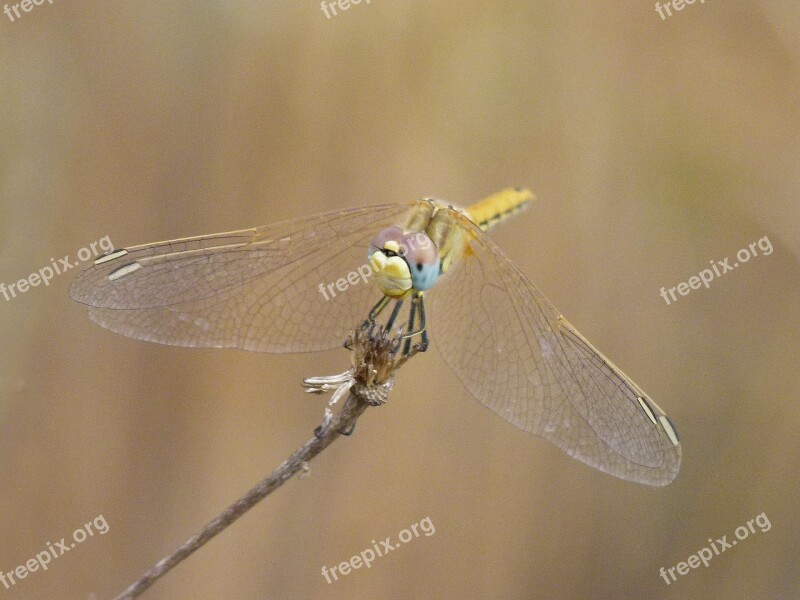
375	356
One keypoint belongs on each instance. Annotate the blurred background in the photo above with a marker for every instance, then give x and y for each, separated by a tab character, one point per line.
654	146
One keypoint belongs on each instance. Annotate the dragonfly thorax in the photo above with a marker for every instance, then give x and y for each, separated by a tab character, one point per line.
403	261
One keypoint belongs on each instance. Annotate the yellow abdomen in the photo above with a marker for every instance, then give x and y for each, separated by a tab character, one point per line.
499	206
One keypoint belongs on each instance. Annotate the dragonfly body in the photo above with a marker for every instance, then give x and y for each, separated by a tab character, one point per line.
407	261
257	289
446	226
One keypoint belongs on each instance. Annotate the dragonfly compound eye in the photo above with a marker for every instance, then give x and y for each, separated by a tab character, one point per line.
422	258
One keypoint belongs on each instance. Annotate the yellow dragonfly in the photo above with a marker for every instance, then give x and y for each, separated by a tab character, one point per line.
303	284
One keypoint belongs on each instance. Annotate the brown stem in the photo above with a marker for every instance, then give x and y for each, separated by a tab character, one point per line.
344	420
375	359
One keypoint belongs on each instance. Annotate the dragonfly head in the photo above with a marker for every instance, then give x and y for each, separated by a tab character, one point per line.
402	261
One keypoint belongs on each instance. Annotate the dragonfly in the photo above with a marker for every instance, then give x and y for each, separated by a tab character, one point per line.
301	285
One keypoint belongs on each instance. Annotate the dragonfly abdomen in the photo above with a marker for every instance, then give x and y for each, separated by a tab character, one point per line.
498	207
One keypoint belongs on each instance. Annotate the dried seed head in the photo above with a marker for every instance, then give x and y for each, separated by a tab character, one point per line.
374	362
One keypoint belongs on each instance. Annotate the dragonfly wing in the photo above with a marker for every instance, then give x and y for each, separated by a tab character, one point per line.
517	355
255	289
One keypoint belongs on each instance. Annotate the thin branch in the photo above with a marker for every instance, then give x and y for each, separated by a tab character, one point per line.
375	359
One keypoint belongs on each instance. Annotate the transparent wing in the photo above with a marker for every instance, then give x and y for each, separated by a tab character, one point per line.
255	289
517	355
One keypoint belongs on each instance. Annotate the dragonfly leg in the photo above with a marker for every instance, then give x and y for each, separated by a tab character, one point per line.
417	306
423	328
411	319
396	311
373	314
416	312
376	310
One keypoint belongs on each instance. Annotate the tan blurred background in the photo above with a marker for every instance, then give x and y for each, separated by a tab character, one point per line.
654	146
